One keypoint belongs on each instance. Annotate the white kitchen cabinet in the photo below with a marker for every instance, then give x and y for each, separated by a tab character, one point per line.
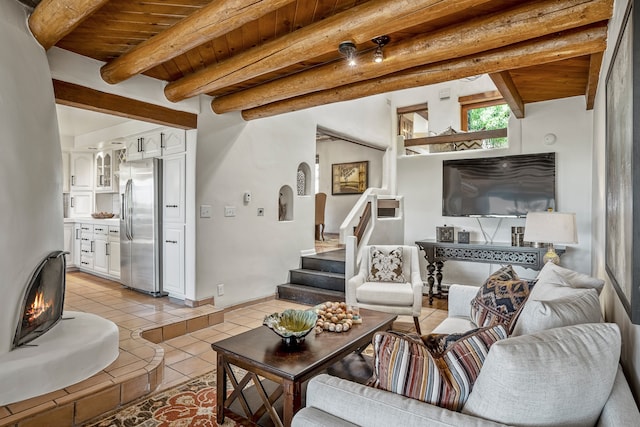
100	253
173	141
174	188
68	243
173	280
105	166
156	143
86	246
66	187
76	245
80	204
81	171
113	251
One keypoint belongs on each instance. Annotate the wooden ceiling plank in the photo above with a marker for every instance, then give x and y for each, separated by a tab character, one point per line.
90	99
51	20
360	24
509	92
540	51
595	62
525	22
202	26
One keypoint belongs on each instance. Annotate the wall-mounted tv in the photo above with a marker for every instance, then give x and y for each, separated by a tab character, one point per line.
507	186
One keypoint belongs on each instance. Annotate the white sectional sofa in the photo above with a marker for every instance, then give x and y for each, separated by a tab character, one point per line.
559	367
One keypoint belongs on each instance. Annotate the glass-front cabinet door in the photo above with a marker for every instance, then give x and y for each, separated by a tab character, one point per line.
104	171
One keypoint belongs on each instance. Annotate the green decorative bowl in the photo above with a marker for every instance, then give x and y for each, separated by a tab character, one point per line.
292	325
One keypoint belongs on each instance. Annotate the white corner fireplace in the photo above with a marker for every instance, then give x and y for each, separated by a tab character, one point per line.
36	356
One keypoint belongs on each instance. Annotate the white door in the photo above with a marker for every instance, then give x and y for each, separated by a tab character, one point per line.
173	261
100	261
76	244
81	171
68	243
173	141
81	204
152	145
174	189
114	252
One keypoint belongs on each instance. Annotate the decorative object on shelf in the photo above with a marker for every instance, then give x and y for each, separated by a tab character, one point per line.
444	234
378	55
102	215
292	325
517	236
348	49
551	227
282	208
336	317
349	178
463	236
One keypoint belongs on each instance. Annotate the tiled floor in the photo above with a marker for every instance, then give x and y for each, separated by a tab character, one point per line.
183	335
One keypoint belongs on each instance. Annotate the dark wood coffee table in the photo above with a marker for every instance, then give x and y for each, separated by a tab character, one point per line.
262	353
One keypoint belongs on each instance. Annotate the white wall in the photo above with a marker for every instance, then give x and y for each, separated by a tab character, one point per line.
249	254
330	152
420	176
613	309
30	164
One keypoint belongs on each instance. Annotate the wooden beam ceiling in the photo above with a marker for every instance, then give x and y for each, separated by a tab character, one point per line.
86	98
528	21
266	57
546	50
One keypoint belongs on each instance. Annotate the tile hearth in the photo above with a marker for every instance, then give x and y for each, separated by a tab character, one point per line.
176	349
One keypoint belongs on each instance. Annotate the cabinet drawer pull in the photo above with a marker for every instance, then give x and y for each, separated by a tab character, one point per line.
114	231
162	140
73	180
171	206
92	243
72	204
171	241
106	249
85	263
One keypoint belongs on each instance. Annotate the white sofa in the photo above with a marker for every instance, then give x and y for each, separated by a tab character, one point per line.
561	371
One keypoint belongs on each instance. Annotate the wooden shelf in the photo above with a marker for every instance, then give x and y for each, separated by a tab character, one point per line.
457	137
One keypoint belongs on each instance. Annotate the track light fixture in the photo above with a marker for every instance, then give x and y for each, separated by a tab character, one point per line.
348	49
378	56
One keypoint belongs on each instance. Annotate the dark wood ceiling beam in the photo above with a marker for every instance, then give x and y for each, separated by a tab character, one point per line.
51	20
509	91
212	21
541	51
595	62
526	22
359	24
74	95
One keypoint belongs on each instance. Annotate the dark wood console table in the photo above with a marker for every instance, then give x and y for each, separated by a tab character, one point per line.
436	253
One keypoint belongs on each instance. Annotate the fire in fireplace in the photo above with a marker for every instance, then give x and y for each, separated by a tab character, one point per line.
43	301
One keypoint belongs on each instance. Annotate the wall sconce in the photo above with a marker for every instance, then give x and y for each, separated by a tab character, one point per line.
348	49
378	56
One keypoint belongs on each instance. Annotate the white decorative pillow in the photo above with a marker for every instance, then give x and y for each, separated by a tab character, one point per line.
561	376
577	307
386	267
563	276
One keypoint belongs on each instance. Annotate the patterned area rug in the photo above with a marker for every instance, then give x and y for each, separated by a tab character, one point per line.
190	404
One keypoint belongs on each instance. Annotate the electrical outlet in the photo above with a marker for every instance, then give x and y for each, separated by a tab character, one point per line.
205	211
260	211
229	211
220	289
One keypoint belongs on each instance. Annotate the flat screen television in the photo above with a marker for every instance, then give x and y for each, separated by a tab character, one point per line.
508	186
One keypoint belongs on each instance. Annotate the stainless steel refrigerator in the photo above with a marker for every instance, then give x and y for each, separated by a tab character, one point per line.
141	225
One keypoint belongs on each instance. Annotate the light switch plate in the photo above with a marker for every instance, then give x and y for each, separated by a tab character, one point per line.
205	211
229	211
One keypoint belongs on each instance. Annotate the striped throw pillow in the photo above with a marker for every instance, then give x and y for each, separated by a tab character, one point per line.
403	365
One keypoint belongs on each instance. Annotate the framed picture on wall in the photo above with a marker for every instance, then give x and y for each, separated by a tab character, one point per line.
349	178
622	239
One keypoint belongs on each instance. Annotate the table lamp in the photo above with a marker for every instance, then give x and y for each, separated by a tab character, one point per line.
550	228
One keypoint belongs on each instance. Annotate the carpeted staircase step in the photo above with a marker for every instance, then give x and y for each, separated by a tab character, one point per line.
307	294
318	279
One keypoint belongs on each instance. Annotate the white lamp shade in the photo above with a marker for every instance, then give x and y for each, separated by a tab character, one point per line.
551	227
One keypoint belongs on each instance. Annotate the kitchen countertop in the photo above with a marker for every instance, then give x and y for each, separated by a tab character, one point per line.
92	220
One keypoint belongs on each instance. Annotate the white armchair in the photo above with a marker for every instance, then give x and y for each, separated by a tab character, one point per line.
402	298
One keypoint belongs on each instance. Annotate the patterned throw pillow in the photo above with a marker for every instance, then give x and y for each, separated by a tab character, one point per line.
386	267
500	299
403	365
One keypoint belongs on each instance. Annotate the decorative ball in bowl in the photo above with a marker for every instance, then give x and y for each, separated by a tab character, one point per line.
292	325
